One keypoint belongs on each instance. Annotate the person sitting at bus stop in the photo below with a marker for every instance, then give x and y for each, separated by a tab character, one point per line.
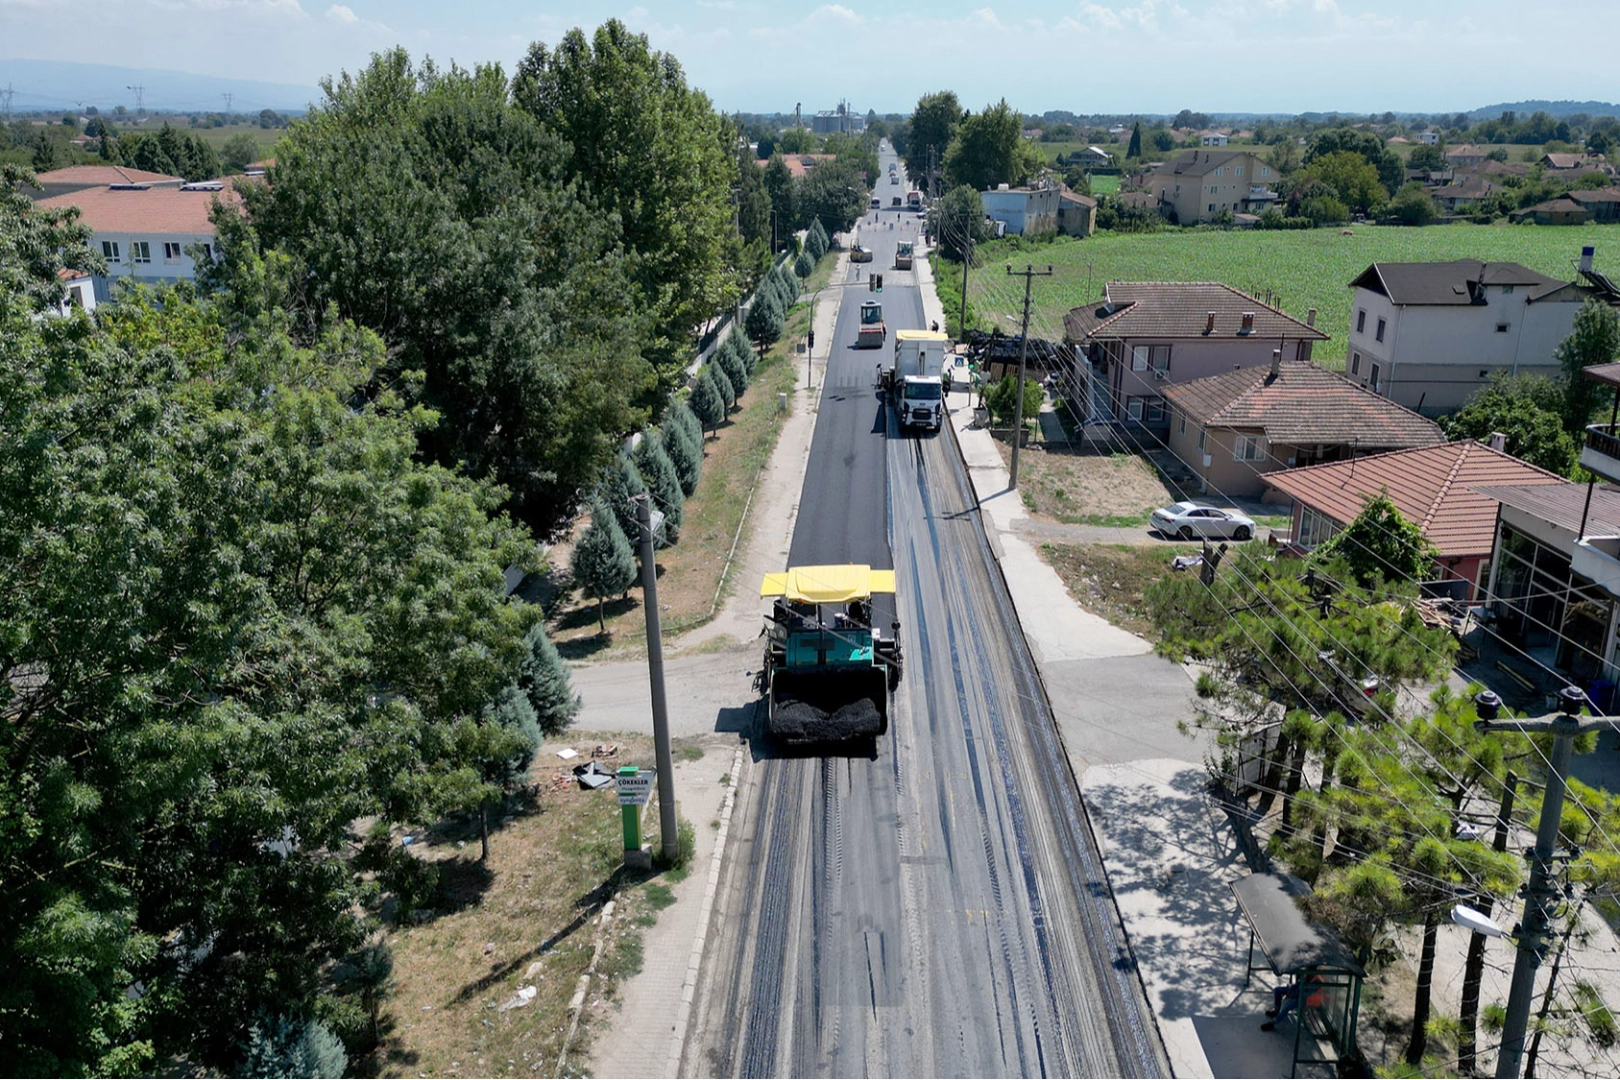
1284	999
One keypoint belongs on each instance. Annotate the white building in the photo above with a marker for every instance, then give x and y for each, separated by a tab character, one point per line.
147	234
1212	138
1428	138
1024	211
1428	335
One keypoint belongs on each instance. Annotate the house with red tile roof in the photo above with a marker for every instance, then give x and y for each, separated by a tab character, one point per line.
1145	335
81	177
1233	429
147	234
1432	486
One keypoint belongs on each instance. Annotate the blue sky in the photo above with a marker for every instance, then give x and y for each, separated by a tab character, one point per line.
758	55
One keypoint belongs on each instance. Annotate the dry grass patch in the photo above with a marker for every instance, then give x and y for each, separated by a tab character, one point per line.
1074	487
1111	580
527	918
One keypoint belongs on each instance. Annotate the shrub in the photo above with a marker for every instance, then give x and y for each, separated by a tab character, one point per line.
281	1046
1000	399
707	404
723	383
603	564
685	453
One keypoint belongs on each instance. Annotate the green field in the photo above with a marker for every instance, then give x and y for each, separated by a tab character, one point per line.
215	137
1305	269
1104	185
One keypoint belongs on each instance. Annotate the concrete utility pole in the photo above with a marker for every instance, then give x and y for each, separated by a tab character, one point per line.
668	833
967	263
1541	896
1029	274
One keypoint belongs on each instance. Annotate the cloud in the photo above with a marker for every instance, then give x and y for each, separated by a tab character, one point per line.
340	14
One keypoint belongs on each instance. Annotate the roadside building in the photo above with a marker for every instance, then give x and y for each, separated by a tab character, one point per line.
1077	213
1024	211
1200	185
1232	429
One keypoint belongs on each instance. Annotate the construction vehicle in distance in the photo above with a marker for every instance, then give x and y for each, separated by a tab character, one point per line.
828	674
872	333
912	383
902	255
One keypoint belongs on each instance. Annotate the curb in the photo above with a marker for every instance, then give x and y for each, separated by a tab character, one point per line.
694	963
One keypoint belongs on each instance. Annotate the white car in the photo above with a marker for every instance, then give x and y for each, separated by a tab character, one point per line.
1192	521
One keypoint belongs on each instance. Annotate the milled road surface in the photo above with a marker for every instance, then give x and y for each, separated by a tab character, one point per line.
932	904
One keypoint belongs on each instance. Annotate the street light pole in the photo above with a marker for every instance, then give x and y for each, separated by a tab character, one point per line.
1541	896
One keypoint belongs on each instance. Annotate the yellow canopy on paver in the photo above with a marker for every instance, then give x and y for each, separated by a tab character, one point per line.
828	584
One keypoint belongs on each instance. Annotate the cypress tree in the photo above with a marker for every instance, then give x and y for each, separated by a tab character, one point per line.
738	343
723	383
544	679
620	486
707	404
682	414
765	320
804	266
603	563
736	370
685	453
659	472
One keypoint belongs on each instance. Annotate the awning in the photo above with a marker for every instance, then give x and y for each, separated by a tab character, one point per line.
1291	944
828	584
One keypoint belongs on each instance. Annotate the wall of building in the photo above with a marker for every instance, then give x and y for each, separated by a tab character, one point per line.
161	269
1026	213
1224	475
1197	358
1225	188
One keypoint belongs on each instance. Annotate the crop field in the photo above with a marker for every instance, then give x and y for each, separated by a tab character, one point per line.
1104	185
1304	269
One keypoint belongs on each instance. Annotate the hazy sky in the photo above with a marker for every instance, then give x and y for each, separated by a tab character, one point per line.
759	56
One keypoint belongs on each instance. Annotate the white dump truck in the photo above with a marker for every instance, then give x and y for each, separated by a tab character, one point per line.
912	384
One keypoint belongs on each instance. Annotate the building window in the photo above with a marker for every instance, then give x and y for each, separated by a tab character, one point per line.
1361	321
1501	328
171	252
1247	448
1154	357
1155	410
1237	170
1265	170
1376	388
1355	363
1133	407
1181	424
140	251
208	251
1212	208
1314	529
1379	334
109	251
1507	290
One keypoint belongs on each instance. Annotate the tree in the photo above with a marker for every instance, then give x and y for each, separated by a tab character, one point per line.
989	149
369	976
833	195
784	206
1135	148
662	484
1353	180
239	151
680	414
753	200
764	322
735	367
1002	400
1413	204
47	153
1381	544
653	154
621	484
501	744
1427	157
796	140
172	151
283	1047
543	677
723	384
460	239
1162	140
1594	339
960	221
35	247
932	128
1284	157
707	404
804	265
269	118
685	453
1534	434
603	564
816	240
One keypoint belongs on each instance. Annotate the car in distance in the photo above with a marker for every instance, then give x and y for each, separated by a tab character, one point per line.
895	202
1192	521
877	203
860	254
893	179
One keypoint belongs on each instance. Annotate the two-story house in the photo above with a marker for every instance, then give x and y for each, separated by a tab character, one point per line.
1428	335
1025	211
147	234
1199	185
1145	335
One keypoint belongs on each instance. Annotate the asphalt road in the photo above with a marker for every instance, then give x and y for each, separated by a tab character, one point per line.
932	904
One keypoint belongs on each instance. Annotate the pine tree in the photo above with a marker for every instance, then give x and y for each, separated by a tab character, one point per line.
707	404
281	1046
722	383
603	564
685	453
544	679
1135	149
804	266
765	319
681	413
735	368
503	744
737	342
620	487
665	486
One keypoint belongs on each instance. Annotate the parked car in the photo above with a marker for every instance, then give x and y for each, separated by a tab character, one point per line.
1191	521
895	201
860	254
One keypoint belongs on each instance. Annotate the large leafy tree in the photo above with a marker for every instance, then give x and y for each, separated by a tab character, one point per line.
753	200
36	246
1533	434
933	125
1351	177
780	187
1594	339
989	149
652	152
1381	544
422	205
960	221
834	195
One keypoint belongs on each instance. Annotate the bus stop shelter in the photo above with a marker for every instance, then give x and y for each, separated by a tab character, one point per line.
1323	972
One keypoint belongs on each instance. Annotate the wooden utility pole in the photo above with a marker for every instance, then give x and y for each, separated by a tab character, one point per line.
1029	274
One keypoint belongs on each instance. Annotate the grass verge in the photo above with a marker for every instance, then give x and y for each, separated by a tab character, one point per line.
1111	580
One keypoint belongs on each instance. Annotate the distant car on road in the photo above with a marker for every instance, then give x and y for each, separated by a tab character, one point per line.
1191	521
893	179
877	203
895	202
860	254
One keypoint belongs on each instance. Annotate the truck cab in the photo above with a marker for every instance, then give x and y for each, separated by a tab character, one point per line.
913	384
872	333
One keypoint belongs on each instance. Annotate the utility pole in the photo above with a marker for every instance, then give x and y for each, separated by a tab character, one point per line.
1029	274
8	91
140	100
1542	894
668	833
967	263
1474	965
227	96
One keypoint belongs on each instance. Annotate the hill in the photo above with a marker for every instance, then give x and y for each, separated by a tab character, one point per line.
1551	108
57	84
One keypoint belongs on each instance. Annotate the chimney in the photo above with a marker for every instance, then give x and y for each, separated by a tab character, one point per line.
1498	442
1248	323
1586	258
1310	317
1209	323
1276	362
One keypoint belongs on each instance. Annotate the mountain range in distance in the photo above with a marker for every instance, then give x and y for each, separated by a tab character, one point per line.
49	85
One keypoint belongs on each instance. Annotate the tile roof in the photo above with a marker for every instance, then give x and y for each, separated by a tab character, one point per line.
1198	162
1180	309
150	210
1563	505
1302	405
1433	486
1596	195
105	174
1567	161
1446	282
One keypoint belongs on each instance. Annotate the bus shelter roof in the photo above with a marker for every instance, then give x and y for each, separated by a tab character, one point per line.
1291	943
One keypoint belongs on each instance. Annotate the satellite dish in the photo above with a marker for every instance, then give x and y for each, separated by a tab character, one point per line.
1477	921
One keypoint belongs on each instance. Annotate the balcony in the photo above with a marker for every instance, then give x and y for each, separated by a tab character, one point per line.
1598	559
1601	451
